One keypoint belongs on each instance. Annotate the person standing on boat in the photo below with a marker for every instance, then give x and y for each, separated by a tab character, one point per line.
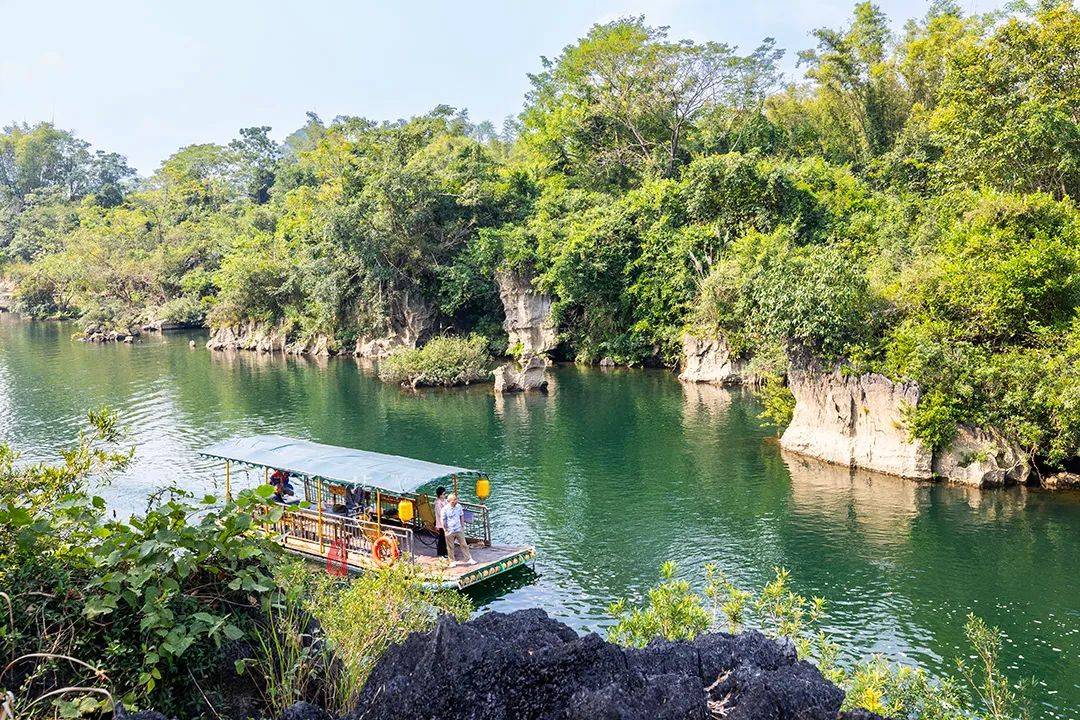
453	516
440	532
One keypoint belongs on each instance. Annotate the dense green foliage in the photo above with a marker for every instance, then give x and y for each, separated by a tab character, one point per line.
675	611
908	208
190	607
445	361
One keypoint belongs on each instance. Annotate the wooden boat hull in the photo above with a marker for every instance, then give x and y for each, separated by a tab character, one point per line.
437	573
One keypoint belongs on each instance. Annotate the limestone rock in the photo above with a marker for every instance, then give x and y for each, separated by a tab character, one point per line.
528	314
512	377
855	421
7	295
101	334
499	667
317	346
982	458
168	325
607	362
410	321
1062	481
249	335
709	360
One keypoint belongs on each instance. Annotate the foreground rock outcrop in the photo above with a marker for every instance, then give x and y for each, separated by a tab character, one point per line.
526	665
855	420
709	360
528	320
529	376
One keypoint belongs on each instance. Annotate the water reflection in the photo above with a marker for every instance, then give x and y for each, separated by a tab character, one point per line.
879	508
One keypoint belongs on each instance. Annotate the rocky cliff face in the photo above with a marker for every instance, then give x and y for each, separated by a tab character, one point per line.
526	665
7	293
250	335
709	360
528	315
855	421
409	323
983	459
858	421
528	376
266	338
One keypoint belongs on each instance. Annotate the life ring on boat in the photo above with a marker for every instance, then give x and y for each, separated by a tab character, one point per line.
384	551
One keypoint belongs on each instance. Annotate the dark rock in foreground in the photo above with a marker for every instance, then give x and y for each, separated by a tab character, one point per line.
526	665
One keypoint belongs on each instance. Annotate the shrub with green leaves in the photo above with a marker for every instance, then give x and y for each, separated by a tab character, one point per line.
319	637
444	361
675	611
146	601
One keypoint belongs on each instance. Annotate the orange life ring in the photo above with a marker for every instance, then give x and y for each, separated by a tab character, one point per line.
384	551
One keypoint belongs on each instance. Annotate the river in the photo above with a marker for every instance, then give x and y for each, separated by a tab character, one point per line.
610	474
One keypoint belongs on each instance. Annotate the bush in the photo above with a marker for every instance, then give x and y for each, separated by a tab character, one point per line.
148	600
361	619
183	310
676	612
444	361
767	291
319	637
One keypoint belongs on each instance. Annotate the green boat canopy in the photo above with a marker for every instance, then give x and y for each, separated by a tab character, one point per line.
358	468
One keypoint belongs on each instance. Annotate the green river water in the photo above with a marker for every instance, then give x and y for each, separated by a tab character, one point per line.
609	475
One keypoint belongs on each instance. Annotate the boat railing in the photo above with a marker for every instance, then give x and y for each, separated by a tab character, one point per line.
357	535
477	523
477	519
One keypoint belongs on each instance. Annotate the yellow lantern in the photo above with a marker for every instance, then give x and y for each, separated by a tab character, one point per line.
405	510
483	488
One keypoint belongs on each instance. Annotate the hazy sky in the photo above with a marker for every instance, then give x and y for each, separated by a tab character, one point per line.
145	78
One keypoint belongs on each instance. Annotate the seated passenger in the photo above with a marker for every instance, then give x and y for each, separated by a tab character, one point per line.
282	487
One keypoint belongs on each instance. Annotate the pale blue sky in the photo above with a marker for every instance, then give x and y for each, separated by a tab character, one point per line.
145	78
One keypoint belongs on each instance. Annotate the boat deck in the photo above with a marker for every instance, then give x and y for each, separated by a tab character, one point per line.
490	561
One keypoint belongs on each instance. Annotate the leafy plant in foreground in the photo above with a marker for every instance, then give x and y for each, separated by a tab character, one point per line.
149	600
676	612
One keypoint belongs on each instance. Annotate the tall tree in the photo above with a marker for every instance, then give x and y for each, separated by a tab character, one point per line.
1009	111
859	82
624	98
42	155
255	159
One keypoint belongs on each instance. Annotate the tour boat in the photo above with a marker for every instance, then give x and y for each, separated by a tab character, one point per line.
358	510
